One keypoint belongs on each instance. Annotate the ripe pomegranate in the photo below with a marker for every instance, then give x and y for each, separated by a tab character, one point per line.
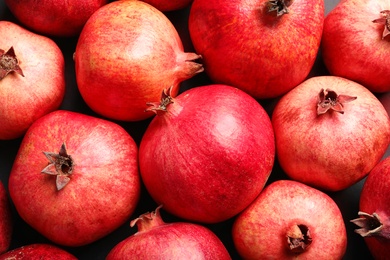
37	252
156	239
6	221
168	5
356	42
330	132
290	220
127	53
54	17
80	173
374	215
264	47
208	153
32	78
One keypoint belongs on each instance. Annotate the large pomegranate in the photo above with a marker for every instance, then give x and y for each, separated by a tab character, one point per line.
356	42
75	177
156	239
32	78
264	47
290	220
208	152
374	215
127	53
330	132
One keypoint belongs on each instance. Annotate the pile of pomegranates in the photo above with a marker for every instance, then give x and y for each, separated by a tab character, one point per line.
194	129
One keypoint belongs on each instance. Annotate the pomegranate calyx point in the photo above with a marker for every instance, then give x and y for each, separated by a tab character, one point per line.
9	63
330	100
166	99
61	165
298	238
370	225
385	19
280	7
148	220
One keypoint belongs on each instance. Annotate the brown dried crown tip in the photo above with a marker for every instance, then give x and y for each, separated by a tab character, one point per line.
9	63
385	19
330	100
280	7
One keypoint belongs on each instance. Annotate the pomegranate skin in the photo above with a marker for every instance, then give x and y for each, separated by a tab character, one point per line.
209	155
244	46
54	17
352	46
104	186
179	240
331	151
37	252
6	222
261	230
127	53
375	198
40	91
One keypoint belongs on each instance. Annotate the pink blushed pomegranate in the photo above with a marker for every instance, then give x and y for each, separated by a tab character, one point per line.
356	42
54	17
32	78
330	132
374	212
290	220
80	173
36	252
208	153
156	239
264	47
127	53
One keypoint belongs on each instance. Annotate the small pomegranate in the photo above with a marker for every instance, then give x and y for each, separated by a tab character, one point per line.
374	211
290	220
156	239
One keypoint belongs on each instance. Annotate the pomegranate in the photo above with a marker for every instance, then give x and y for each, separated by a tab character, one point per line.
54	17
263	47
168	5
80	173
36	252
6	221
156	239
355	43
290	220
208	153
330	132
32	78
374	215
127	53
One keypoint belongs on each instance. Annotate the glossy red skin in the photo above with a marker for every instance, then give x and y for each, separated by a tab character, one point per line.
127	53
178	240
168	5
40	91
37	252
209	155
259	232
244	46
54	17
332	151
352	45
6	220
104	188
375	198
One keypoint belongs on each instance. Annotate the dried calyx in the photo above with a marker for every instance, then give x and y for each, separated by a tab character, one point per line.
330	100
298	238
60	164
166	99
385	19
370	225
148	220
9	63
279	7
